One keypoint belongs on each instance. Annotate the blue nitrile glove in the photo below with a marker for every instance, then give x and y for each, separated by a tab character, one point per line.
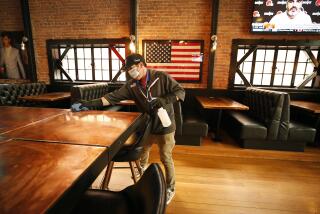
78	107
86	105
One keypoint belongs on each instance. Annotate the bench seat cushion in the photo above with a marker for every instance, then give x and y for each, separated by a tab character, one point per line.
88	91
192	125
300	132
246	127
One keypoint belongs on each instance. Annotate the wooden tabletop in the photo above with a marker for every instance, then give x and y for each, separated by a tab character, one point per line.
97	128
13	117
56	158
47	97
306	105
38	176
220	103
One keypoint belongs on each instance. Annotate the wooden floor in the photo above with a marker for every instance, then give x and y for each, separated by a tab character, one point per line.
224	178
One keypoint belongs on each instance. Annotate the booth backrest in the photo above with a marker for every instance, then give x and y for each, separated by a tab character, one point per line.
272	109
9	93
285	118
88	91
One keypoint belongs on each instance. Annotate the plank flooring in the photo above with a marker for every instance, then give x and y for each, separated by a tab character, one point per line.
224	178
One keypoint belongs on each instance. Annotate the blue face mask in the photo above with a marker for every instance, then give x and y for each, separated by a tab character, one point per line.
134	73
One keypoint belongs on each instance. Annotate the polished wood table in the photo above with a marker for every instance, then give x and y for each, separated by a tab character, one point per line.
220	104
12	117
38	177
47	97
96	128
306	105
49	163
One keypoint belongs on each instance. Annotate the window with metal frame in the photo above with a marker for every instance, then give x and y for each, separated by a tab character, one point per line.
86	60
273	65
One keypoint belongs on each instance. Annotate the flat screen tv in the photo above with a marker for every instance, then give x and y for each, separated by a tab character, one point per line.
286	16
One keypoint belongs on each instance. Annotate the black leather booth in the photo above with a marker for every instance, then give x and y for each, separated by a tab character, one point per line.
190	127
9	93
267	124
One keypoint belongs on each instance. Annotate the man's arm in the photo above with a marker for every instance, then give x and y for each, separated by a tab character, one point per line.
174	88
108	99
175	93
96	102
116	96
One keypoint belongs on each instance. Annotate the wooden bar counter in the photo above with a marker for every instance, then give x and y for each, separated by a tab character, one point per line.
49	163
38	177
95	128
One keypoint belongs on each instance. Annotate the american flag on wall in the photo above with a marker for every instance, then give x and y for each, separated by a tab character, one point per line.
181	59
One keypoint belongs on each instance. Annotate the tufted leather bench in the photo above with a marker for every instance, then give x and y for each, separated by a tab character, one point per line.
267	124
9	93
90	92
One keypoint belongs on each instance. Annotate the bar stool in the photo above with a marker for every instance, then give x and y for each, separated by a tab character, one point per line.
147	196
129	154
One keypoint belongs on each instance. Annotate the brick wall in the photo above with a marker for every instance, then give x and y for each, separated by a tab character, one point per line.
10	15
157	19
178	19
75	19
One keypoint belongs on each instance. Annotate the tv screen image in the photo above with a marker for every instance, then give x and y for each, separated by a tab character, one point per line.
286	16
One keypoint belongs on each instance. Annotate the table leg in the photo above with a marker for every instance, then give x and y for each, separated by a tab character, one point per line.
216	136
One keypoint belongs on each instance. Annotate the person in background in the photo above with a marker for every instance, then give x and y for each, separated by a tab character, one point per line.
292	18
151	90
10	60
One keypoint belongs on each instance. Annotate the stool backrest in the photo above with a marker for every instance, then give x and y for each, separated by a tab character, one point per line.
149	194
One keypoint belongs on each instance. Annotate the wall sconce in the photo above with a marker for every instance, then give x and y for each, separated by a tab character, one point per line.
214	39
23	41
132	46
